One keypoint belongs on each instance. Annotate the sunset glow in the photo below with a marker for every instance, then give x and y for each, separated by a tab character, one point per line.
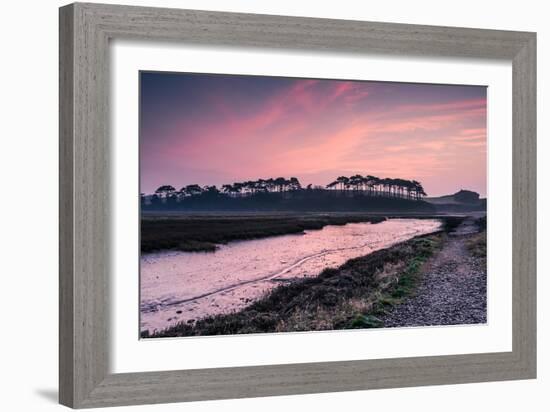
216	129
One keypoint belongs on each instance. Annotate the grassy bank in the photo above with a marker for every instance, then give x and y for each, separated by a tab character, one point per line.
477	245
348	297
193	234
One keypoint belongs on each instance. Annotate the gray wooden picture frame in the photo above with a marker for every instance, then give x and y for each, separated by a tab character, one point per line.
85	31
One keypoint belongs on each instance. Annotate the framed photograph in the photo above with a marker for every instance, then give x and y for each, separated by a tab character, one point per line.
256	205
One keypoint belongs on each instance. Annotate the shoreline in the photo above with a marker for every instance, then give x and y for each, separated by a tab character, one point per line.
183	286
204	233
347	297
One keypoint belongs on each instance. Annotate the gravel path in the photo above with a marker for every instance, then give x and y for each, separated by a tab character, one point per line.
452	291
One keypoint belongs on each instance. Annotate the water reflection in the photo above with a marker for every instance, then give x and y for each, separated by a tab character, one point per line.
185	286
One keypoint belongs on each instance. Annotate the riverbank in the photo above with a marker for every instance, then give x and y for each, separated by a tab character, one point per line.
204	233
352	296
186	286
453	286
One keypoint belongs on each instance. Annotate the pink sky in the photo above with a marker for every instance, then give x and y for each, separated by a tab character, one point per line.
221	129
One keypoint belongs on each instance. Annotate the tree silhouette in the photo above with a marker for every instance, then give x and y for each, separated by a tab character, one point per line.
368	185
333	184
356	182
280	183
227	189
210	190
193	190
343	180
294	184
165	191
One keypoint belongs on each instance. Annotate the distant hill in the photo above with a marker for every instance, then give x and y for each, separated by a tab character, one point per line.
461	201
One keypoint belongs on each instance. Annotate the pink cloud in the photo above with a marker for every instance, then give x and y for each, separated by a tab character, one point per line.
312	127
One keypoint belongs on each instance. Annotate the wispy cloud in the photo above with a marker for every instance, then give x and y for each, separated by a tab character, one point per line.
307	127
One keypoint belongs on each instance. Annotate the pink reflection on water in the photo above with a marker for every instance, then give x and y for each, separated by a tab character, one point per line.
184	286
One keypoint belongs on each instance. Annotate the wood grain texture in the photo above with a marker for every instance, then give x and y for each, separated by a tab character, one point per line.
524	184
66	228
85	31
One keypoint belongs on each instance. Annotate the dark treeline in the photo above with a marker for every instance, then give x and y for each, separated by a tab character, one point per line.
371	185
345	193
375	186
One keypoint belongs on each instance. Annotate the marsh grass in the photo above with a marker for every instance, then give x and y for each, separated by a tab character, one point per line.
203	234
405	280
477	245
482	223
450	223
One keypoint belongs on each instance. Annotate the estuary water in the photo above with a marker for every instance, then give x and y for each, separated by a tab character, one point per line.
186	286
